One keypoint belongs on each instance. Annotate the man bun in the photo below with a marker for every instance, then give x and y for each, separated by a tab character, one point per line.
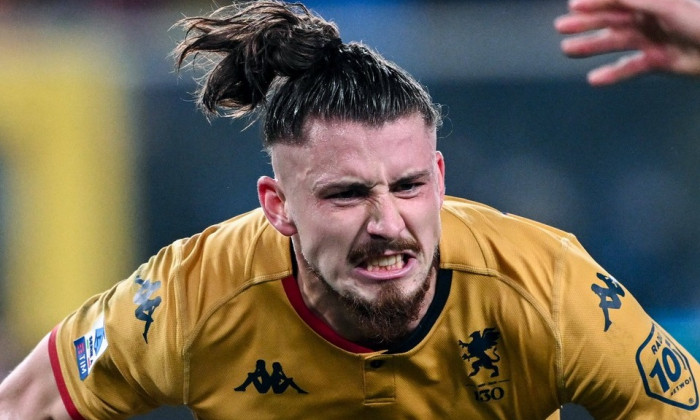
249	45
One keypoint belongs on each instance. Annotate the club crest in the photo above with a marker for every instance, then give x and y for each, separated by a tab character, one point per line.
482	348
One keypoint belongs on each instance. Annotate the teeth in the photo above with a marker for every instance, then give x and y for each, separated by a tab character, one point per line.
391	262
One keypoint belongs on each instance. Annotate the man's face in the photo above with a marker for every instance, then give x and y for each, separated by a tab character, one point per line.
363	206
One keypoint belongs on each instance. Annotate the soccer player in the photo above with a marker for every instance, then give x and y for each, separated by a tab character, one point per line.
358	289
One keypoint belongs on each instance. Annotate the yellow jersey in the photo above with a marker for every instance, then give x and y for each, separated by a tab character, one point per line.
523	320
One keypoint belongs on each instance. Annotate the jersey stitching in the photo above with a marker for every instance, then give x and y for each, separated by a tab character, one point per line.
243	287
539	308
559	273
549	322
226	298
174	277
180	315
491	270
484	252
129	379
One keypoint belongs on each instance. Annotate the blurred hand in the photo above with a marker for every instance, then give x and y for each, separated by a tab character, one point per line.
664	35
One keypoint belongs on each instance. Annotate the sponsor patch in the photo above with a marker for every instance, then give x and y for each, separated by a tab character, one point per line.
666	371
90	347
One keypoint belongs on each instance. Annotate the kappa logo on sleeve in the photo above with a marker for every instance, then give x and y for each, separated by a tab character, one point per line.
666	371
90	347
609	296
147	304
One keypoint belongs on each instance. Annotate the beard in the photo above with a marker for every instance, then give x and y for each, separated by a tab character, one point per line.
387	318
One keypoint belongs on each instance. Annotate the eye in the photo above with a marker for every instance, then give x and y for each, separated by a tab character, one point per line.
343	195
347	194
407	188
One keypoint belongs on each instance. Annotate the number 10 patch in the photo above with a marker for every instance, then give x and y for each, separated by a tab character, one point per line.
666	371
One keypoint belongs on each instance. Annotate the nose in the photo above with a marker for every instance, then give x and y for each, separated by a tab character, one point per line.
385	219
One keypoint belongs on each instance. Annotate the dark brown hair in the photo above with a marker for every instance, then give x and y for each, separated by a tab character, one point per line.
283	62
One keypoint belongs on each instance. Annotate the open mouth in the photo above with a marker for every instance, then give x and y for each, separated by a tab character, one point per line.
385	259
386	263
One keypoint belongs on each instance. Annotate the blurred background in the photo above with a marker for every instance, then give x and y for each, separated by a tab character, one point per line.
104	158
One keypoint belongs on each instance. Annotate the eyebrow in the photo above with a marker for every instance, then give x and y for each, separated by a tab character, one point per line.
360	186
325	187
412	177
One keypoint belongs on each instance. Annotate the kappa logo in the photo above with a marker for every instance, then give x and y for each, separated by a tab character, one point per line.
142	297
482	347
666	371
263	381
609	296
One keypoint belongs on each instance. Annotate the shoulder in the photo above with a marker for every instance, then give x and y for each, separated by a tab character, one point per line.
481	237
247	245
202	271
523	256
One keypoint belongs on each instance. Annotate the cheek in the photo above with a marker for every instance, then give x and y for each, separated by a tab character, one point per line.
426	225
326	234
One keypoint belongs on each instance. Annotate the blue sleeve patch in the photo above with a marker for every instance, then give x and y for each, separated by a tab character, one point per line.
89	347
666	371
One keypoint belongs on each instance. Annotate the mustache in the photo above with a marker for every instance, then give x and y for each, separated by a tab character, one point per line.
377	248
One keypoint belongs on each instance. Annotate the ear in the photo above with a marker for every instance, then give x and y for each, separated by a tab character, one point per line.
272	201
440	161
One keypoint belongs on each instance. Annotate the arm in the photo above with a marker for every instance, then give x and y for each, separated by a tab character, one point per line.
664	33
106	360
617	361
30	391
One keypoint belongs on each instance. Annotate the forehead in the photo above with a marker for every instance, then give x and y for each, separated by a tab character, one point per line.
344	147
405	129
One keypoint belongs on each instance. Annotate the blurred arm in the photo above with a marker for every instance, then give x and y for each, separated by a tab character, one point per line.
30	391
665	35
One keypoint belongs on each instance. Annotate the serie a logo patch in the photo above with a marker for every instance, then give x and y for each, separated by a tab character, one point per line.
89	347
666	371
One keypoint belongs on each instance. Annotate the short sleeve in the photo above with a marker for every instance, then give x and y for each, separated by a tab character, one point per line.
117	355
617	361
